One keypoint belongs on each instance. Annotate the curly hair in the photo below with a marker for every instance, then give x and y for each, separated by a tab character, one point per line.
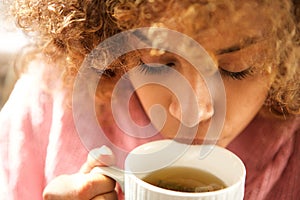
284	95
67	30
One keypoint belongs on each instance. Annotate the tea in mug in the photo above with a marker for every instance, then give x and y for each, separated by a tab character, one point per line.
184	179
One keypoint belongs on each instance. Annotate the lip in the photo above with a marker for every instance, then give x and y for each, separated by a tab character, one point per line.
195	141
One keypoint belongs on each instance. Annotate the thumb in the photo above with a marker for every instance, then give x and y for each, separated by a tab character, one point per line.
102	156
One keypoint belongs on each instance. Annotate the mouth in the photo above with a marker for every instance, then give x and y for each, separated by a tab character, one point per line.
196	135
196	141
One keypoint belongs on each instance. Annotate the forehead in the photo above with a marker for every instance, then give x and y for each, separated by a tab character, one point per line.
215	24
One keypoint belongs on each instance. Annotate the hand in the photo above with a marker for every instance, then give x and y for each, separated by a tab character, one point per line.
84	185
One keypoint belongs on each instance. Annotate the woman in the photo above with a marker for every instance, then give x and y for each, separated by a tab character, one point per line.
257	55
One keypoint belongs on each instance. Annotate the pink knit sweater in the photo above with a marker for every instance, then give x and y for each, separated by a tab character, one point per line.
39	141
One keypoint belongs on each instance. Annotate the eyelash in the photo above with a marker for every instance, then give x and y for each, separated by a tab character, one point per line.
146	69
237	75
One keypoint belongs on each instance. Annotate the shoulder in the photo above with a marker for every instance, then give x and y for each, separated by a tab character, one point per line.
32	96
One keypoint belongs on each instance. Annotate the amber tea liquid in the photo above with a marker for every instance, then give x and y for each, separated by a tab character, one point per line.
185	179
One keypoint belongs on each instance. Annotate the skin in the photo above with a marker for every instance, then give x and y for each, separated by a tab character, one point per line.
244	98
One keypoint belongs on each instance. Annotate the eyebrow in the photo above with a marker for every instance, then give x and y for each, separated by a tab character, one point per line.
236	47
142	37
248	41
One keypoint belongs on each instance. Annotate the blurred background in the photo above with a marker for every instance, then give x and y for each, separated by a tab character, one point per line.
11	42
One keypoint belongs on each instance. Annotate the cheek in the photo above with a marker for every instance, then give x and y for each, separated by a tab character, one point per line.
152	95
244	100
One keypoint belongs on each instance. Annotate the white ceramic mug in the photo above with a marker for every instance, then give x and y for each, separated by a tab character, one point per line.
155	155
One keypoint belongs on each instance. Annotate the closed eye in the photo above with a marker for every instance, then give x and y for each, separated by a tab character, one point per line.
155	68
237	75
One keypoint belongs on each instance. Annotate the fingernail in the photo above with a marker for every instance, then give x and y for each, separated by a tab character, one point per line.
102	151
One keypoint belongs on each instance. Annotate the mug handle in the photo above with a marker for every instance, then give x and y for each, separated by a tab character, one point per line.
116	174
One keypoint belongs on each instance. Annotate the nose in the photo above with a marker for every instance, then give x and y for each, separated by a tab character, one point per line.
195	105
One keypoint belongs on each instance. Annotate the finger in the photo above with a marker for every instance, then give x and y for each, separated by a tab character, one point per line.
98	157
108	196
78	186
99	184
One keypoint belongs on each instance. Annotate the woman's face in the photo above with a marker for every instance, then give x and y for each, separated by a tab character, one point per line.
240	44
